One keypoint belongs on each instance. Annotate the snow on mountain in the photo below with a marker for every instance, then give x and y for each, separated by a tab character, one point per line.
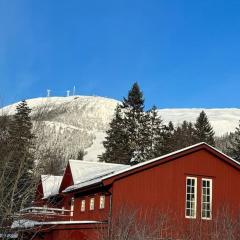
71	124
223	120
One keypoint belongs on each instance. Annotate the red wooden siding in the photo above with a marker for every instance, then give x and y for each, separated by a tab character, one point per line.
70	232
39	195
164	185
97	214
67	179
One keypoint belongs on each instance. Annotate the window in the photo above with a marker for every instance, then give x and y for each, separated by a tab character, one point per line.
191	197
91	207
72	206
83	205
102	202
206	198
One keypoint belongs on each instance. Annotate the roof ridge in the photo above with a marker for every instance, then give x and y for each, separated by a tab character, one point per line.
100	163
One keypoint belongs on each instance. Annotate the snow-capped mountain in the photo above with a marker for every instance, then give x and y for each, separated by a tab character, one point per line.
70	124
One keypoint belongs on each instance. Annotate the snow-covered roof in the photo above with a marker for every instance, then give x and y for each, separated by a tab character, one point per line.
84	170
87	173
51	185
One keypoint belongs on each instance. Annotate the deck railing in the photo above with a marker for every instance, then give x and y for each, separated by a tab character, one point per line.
45	214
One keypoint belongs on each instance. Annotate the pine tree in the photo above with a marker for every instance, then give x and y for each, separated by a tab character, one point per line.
80	154
155	132
184	135
135	100
233	148
116	144
134	118
128	140
168	141
21	161
134	135
203	130
4	139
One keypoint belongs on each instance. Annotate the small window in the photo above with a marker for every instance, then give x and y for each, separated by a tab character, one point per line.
83	205
191	197
206	198
102	202
91	207
72	206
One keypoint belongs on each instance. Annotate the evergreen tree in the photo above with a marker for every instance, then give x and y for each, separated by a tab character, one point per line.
233	148
134	135
203	130
184	135
4	139
135	100
134	119
81	154
116	144
155	132
168	143
21	160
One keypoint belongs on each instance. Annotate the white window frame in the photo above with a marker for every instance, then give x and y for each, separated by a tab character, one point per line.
63	210
195	202
83	205
210	187
72	206
92	203
102	202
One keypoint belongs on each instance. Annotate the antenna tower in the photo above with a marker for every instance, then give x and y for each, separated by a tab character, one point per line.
48	92
74	90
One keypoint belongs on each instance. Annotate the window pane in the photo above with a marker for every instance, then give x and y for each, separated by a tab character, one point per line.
91	204
83	204
102	202
191	197
206	198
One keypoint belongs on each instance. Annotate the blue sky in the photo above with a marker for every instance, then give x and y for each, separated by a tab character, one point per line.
182	53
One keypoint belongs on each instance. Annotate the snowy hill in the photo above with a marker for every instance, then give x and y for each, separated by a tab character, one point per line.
223	120
69	124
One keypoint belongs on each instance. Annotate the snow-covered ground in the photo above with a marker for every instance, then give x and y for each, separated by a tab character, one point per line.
73	123
96	148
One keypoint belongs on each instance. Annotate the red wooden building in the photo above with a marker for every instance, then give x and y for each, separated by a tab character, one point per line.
191	187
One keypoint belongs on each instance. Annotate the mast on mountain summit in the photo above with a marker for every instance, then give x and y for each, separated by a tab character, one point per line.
74	89
48	92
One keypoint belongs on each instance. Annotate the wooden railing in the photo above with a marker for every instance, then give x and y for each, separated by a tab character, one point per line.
44	214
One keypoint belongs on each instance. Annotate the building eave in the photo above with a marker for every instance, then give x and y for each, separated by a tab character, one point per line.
170	157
